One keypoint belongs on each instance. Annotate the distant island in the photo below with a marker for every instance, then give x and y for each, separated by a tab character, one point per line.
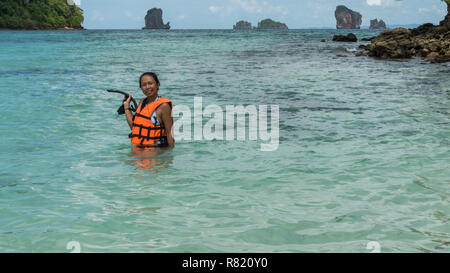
40	15
347	18
264	24
375	24
153	20
244	25
270	24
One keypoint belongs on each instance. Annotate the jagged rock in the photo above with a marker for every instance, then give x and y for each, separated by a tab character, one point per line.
392	44
270	24
347	18
423	29
361	53
153	20
345	38
244	25
432	57
375	24
426	41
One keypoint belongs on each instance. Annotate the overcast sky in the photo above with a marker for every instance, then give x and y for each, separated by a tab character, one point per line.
222	14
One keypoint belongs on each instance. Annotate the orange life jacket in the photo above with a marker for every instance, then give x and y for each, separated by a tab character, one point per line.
146	129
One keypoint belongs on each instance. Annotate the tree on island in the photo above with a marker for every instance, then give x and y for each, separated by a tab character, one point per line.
39	14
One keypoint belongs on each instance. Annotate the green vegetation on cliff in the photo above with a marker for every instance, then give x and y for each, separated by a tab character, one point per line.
39	14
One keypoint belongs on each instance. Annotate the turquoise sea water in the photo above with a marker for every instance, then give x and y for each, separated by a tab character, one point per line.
363	152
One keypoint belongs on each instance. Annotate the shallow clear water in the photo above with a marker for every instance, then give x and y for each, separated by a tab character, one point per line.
363	152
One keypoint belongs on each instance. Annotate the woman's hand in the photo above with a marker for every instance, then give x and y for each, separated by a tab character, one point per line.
128	113
126	101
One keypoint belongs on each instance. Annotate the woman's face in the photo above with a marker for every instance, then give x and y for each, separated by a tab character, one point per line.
149	86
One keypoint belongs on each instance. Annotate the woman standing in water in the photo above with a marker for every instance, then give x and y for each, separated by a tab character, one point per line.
151	126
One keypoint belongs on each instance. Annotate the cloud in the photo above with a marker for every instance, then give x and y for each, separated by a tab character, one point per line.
434	9
384	3
249	6
132	17
255	6
214	9
97	16
374	2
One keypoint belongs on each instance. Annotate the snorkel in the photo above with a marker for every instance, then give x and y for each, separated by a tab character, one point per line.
121	109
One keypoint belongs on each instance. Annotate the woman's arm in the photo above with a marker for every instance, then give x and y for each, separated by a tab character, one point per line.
167	122
128	113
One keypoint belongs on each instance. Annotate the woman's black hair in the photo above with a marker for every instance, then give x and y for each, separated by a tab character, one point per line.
148	74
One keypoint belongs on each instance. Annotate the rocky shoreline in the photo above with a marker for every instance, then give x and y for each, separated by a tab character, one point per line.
426	41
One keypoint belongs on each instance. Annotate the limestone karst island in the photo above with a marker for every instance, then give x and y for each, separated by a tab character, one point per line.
347	18
243	25
40	14
153	20
375	24
264	24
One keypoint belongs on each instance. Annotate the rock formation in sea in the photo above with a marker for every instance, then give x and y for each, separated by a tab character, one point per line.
347	18
345	38
244	25
40	14
270	24
375	24
427	41
153	20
